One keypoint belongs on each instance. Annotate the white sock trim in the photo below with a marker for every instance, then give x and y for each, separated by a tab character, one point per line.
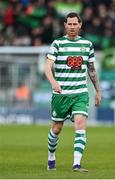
77	158
81	131
51	156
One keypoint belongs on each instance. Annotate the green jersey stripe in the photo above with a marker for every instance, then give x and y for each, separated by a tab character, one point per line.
91	55
54	54
70	53
70	78
74	45
91	48
65	62
56	46
65	66
70	70
73	87
70	75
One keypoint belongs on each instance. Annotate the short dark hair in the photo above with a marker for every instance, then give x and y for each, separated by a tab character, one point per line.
71	15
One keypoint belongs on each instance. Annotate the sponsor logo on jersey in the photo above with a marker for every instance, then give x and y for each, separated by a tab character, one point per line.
75	62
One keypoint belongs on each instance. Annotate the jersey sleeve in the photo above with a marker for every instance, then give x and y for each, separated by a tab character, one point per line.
53	51
91	54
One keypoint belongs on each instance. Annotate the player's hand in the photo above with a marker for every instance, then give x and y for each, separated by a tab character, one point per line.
56	87
97	98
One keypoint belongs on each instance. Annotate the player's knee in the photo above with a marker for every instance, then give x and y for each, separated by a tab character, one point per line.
81	124
57	128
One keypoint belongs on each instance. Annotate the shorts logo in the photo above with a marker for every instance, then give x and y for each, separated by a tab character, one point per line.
75	62
54	113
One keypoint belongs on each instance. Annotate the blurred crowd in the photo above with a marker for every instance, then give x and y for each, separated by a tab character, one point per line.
39	22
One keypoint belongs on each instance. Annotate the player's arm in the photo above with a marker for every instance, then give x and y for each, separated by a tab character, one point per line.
49	74
95	81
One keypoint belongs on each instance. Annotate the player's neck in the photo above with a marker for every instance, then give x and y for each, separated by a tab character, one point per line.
73	37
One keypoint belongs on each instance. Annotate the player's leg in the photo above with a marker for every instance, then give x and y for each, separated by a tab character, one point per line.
79	141
80	113
58	117
53	137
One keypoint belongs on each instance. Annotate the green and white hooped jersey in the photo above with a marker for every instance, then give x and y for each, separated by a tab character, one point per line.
70	66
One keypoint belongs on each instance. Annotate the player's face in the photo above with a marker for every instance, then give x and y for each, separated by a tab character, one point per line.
72	27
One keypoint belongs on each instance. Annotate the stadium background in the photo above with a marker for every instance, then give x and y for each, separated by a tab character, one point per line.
27	28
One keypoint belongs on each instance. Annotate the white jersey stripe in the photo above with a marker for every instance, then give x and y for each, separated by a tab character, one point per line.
70	74
91	59
64	66
85	58
73	49
80	41
72	83
77	91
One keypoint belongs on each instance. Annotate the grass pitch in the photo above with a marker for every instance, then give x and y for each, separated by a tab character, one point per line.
23	153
